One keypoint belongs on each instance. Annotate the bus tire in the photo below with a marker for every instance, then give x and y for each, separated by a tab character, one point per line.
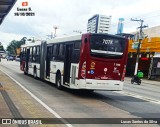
25	73
35	73
58	81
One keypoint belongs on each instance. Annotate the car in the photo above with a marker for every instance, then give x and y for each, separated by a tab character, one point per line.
14	57
9	58
17	58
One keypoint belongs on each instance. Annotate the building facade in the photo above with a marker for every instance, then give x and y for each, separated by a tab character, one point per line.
152	32
147	63
99	24
149	55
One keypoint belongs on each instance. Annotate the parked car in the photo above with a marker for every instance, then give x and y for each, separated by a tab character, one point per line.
17	58
14	57
9	58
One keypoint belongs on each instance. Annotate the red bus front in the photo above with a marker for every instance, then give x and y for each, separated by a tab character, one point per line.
103	61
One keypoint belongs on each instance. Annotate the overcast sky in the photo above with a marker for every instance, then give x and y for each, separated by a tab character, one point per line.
73	15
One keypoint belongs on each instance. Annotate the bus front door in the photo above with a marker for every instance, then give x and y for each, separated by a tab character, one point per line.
67	64
48	60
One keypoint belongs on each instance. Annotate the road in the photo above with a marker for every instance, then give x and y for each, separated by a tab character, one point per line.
99	104
148	88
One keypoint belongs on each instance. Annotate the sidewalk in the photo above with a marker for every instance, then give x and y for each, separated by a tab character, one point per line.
17	103
145	81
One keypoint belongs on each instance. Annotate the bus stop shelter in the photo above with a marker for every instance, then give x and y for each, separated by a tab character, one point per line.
5	7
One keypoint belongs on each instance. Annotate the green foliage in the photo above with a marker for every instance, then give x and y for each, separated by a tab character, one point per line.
1	48
13	45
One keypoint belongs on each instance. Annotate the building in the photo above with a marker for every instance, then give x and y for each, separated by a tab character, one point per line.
149	56
99	24
149	48
120	26
152	32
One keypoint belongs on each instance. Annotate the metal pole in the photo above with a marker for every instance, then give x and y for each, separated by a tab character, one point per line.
137	58
138	48
140	40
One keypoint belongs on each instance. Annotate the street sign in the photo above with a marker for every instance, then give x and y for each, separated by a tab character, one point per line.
135	45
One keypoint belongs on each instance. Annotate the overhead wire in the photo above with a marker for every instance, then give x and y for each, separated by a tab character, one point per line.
148	18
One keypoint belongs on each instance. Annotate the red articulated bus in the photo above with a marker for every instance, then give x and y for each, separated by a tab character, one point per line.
88	61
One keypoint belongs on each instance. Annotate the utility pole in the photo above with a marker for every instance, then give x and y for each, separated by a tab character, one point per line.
55	29
140	40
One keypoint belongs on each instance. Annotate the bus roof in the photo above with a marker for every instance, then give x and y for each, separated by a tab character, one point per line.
31	44
65	38
77	37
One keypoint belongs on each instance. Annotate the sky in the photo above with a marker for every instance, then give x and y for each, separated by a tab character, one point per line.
72	15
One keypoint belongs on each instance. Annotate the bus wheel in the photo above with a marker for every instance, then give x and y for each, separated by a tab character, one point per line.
35	74
25	73
58	81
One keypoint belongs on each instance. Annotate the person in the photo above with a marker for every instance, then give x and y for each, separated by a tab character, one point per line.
140	74
137	78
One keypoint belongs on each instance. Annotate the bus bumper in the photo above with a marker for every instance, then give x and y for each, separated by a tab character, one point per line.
91	84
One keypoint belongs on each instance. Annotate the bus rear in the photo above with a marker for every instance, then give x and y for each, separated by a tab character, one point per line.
103	61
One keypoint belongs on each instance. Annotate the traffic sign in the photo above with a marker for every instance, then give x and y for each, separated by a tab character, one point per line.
135	45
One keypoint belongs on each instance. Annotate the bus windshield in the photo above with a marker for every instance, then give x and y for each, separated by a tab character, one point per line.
107	46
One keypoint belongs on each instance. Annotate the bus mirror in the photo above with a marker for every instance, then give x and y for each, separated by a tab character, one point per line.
85	40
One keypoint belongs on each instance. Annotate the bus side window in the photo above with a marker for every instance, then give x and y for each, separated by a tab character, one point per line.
38	50
31	53
76	52
77	45
61	52
54	51
34	54
37	54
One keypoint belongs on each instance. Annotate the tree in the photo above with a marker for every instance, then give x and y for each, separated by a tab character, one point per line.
13	45
23	40
1	48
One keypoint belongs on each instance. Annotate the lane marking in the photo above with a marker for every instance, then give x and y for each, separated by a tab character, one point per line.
139	97
37	99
